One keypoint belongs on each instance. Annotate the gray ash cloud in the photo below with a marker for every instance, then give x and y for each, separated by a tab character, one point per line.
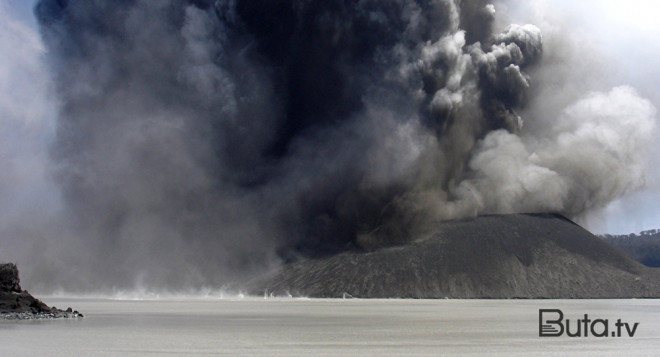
202	141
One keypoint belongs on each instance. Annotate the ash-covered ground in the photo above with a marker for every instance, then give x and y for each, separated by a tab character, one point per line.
498	257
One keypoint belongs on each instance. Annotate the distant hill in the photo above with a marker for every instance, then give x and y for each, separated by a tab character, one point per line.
504	256
643	247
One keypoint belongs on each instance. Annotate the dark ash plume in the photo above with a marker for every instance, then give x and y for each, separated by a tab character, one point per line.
201	141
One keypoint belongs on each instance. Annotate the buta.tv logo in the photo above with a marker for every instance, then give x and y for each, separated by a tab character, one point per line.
552	324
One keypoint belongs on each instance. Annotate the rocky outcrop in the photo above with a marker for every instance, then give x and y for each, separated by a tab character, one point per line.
9	281
16	303
507	256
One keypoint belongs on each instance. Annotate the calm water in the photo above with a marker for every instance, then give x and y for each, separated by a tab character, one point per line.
284	327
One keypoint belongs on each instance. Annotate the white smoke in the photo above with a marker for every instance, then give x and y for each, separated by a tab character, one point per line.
596	45
596	151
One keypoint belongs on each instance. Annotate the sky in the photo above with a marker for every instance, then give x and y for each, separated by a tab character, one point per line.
621	35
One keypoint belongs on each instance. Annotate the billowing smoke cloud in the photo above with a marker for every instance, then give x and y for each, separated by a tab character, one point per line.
202	141
595	151
29	200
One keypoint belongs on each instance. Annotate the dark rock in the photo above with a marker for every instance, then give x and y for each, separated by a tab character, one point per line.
9	281
16	303
507	256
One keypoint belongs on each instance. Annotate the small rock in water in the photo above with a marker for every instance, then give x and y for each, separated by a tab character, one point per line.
18	304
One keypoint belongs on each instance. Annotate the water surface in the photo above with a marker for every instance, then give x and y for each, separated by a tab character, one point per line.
325	327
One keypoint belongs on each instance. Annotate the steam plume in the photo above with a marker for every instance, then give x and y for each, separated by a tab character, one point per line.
200	141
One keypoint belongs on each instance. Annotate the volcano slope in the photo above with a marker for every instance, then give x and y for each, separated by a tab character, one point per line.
499	256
